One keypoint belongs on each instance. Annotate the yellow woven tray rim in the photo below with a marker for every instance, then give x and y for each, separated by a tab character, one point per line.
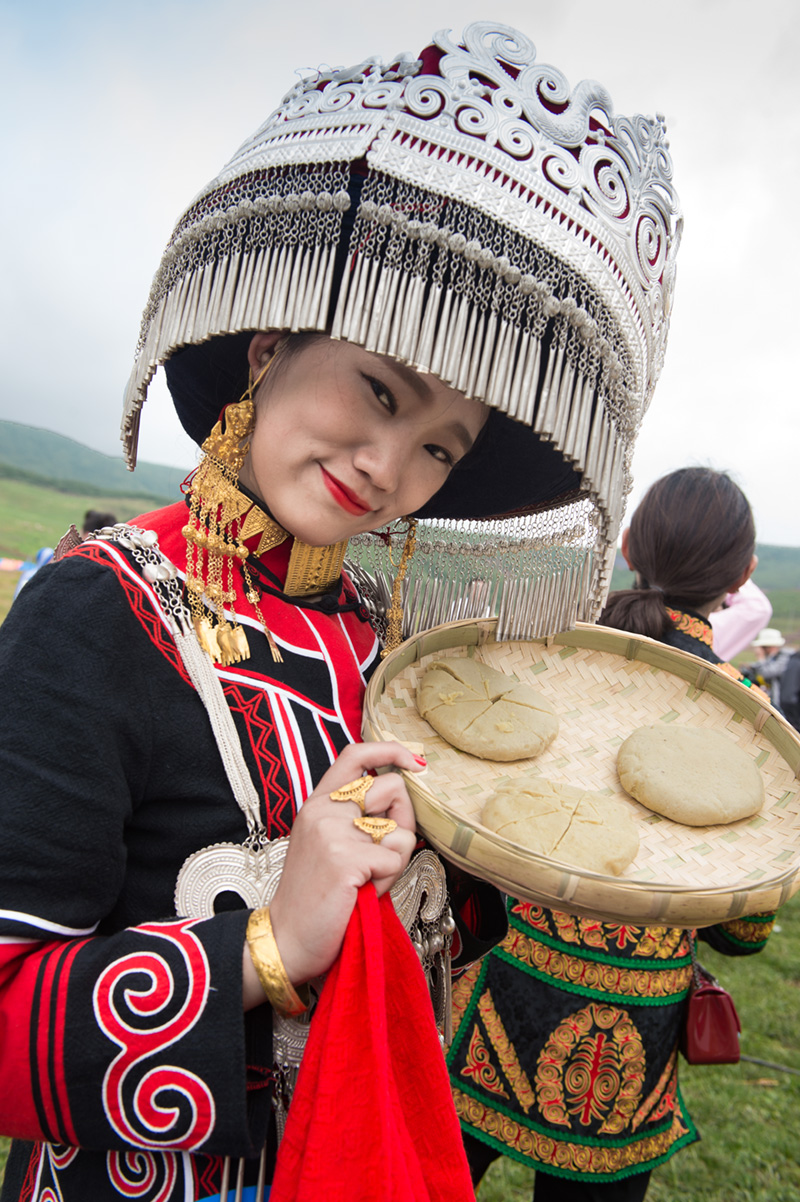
604	683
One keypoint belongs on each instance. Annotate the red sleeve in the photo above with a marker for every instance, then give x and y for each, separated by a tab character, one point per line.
134	1039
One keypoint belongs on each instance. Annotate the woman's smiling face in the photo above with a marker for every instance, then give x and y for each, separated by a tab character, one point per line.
346	441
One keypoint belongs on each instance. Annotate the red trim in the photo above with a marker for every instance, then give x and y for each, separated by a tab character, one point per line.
151	620
31	1173
70	1136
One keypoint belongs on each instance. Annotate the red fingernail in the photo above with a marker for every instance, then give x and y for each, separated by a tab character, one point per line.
421	760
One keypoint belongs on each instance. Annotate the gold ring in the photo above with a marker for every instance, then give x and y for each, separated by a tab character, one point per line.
355	791
376	828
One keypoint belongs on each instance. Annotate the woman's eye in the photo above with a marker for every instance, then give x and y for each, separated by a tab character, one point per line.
382	393
440	453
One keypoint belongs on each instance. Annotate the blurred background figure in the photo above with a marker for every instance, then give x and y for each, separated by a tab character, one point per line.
743	615
95	519
772	660
43	556
790	690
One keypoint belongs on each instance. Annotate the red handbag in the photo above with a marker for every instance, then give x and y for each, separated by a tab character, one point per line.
711	1027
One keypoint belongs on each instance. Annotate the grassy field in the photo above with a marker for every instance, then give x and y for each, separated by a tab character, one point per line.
32	517
8	582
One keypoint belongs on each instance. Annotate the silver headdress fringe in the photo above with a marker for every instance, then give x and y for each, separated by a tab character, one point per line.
513	237
535	573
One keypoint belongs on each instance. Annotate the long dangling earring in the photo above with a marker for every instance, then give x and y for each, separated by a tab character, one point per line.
394	625
213	542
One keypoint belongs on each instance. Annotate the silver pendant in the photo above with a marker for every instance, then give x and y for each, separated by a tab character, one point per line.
419	896
252	874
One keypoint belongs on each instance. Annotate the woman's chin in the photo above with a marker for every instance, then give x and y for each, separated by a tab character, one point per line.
325	534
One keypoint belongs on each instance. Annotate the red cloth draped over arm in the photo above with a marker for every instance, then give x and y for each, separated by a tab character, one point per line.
372	1117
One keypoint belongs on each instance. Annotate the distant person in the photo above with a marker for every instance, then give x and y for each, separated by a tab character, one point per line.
742	615
43	556
790	691
772	660
95	519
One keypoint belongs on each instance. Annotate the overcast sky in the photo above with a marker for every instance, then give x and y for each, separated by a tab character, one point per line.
115	115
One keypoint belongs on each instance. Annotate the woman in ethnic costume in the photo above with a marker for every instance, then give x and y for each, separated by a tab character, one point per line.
566	1056
445	316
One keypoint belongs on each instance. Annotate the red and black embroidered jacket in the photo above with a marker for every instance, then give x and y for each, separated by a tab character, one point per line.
121	1027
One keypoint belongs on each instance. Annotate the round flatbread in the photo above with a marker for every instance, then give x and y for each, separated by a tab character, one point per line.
575	826
693	776
485	712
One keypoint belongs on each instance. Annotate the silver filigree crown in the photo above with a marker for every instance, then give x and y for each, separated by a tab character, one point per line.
511	235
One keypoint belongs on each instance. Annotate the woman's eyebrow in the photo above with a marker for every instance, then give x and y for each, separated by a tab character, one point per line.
463	435
410	377
416	381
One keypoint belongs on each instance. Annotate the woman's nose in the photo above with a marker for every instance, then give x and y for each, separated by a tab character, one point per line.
382	462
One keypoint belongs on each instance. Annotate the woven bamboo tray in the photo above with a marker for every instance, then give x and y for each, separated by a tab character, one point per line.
603	683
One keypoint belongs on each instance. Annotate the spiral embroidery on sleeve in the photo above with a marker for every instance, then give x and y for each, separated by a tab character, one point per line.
138	1006
143	1175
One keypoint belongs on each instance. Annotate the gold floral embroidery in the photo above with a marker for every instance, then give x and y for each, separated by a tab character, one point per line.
662	943
747	931
535	916
662	1097
654	943
462	992
576	1158
566	926
587	931
602	978
696	628
509	1062
621	934
592	1067
479	1067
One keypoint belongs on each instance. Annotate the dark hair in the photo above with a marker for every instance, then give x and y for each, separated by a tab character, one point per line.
94	519
690	540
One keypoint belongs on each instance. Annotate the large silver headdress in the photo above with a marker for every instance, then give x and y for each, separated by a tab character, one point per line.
468	214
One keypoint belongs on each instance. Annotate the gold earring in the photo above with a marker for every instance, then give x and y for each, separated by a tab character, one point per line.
394	625
216	506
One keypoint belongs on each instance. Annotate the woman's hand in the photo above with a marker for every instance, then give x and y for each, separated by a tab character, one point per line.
329	859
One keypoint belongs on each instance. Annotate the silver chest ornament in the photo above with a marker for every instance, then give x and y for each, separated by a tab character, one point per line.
251	870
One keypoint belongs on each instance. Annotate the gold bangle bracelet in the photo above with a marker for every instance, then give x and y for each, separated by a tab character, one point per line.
281	994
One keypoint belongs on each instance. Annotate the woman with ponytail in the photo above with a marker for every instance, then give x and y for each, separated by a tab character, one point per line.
691	542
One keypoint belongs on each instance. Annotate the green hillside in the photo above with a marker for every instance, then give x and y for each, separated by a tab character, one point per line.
32	516
778	568
48	482
53	461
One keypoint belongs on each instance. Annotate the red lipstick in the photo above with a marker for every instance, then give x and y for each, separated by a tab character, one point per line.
342	495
